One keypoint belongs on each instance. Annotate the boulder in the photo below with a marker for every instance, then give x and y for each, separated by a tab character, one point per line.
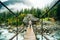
32	18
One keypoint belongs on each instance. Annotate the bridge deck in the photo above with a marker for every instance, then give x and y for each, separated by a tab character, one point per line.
29	34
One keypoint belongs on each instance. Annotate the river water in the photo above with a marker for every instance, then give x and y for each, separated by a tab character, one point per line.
5	35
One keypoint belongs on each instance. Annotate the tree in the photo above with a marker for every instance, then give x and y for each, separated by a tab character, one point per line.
58	11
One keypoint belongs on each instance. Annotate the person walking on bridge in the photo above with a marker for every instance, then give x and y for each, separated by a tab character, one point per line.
30	22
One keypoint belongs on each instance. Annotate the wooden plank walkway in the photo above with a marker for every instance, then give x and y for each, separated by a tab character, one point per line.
29	34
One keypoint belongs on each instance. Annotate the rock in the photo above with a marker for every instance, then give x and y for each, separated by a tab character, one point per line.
26	19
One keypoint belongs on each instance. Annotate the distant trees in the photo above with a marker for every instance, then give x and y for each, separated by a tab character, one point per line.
8	18
58	11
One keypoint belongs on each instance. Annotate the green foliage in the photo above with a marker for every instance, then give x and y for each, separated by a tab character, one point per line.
58	11
8	18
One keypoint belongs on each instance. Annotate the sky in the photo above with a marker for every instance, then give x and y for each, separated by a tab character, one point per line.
22	4
3	0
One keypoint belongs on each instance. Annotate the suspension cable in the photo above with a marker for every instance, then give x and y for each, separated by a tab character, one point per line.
50	8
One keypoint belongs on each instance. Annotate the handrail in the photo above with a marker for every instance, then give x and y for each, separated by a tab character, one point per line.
42	19
14	15
7	8
50	8
17	34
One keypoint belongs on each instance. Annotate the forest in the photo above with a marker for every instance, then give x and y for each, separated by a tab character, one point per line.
10	19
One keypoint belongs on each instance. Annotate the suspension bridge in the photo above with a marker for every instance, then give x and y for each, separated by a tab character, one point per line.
30	35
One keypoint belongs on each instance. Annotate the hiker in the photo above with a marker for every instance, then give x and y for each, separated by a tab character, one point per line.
30	22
